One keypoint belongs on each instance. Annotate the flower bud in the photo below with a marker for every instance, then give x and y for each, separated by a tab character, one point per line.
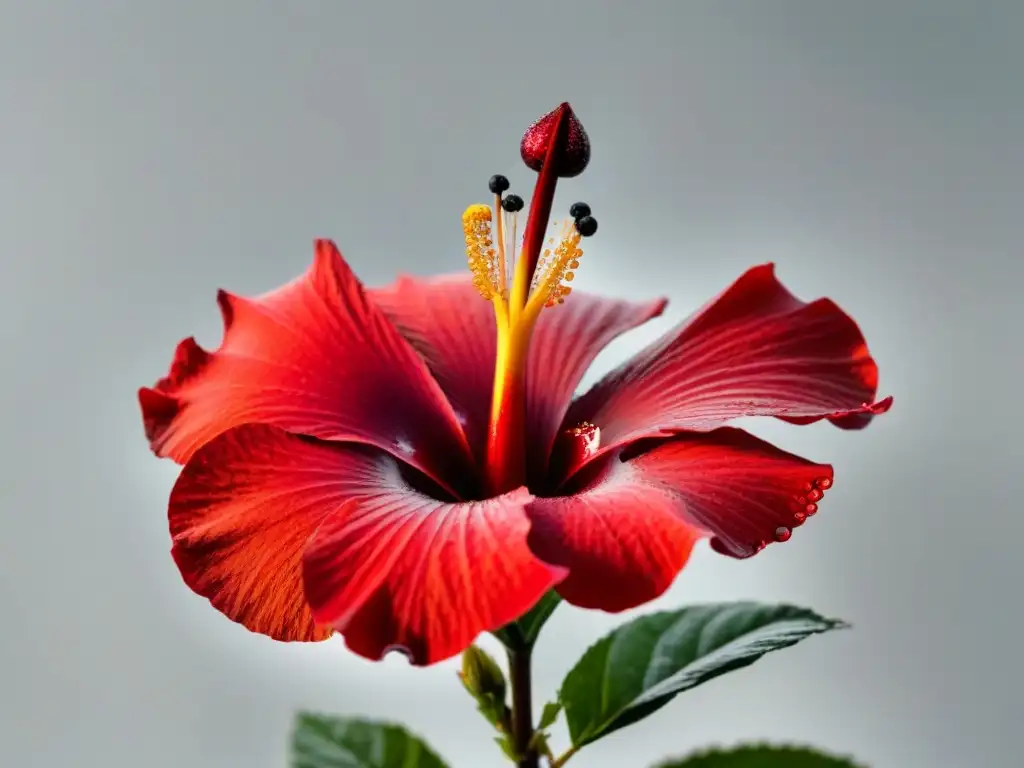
481	675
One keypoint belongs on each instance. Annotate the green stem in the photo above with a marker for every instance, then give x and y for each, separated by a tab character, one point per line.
564	758
522	707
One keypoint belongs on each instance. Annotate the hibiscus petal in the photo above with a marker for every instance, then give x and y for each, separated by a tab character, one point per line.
566	341
292	536
754	351
314	357
453	328
856	418
625	535
447	322
399	569
240	514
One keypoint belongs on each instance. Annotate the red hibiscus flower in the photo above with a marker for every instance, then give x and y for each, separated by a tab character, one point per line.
407	466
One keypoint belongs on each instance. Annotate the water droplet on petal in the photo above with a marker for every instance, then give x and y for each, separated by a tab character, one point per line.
810	509
574	447
798	518
824	483
736	549
808	486
801	499
400	649
814	494
782	533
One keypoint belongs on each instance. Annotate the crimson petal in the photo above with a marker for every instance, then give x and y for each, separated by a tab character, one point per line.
314	357
241	513
453	328
292	536
567	339
627	533
756	350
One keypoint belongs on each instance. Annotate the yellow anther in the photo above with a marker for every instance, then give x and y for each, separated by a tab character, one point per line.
480	253
554	270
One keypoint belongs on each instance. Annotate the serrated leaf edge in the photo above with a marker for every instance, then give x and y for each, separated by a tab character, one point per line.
823	625
831	624
724	751
420	741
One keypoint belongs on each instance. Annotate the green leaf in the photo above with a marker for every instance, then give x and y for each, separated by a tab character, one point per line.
506	746
321	741
534	619
549	714
642	665
762	756
526	630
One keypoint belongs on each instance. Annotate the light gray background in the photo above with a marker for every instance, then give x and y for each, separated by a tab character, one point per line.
151	152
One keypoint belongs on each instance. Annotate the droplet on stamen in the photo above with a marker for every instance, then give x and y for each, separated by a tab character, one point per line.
782	533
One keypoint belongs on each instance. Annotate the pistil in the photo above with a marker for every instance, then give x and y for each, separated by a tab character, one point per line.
555	146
